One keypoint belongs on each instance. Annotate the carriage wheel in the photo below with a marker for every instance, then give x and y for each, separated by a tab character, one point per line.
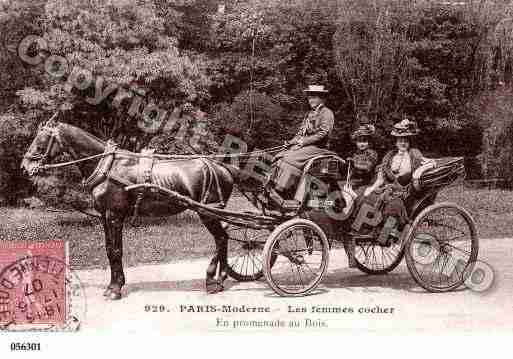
441	248
373	258
296	257
245	262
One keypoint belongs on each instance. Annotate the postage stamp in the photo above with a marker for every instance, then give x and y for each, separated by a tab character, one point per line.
37	289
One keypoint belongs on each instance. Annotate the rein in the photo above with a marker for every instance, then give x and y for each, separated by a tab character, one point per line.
56	138
44	167
69	163
190	157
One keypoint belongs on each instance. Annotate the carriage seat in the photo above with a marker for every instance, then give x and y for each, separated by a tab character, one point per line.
446	171
325	166
293	186
319	169
428	180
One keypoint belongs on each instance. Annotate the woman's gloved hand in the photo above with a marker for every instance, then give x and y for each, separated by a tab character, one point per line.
429	162
368	191
295	143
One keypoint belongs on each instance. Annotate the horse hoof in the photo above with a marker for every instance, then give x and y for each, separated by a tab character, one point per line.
107	292
214	287
114	295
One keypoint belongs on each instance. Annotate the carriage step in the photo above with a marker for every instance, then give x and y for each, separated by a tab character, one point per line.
357	235
285	204
291	204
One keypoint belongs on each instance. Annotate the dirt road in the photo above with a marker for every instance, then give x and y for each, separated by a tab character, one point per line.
347	299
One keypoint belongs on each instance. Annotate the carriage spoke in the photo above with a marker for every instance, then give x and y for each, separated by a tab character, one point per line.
252	256
298	268
457	248
449	233
245	245
300	263
235	262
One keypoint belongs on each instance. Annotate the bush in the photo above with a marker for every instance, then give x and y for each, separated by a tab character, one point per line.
59	188
186	132
62	189
495	114
15	137
256	118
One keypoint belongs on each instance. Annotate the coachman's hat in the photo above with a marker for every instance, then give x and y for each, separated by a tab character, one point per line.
405	128
366	130
316	89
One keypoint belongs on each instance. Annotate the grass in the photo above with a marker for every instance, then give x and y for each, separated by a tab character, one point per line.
152	240
158	240
491	209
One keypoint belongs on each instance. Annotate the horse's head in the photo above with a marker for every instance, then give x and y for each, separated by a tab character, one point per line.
46	145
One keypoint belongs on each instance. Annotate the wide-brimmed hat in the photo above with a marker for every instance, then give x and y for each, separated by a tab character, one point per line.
316	89
405	128
366	130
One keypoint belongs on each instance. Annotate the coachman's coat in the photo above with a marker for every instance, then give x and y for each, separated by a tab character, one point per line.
315	132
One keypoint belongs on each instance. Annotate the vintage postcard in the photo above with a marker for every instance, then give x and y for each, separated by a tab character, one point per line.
260	166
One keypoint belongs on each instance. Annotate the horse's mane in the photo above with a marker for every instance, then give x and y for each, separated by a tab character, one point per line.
84	132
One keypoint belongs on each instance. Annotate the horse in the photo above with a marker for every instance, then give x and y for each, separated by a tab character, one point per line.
188	177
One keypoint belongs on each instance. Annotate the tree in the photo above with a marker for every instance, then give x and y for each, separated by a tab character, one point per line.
271	49
17	20
124	44
416	59
122	47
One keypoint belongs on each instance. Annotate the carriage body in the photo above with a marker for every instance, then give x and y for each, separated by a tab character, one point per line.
301	245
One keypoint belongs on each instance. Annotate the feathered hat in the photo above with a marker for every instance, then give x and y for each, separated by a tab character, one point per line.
405	128
366	130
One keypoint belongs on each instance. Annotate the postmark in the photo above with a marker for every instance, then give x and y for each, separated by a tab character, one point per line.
38	291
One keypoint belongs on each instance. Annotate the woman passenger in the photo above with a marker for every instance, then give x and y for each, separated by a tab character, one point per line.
365	158
395	173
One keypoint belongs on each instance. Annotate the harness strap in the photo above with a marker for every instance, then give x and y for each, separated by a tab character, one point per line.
102	168
207	182
144	173
146	166
213	176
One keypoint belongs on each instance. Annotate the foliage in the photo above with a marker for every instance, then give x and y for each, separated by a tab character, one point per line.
256	118
416	59
15	133
124	44
62	189
275	47
495	113
17	20
188	131
243	68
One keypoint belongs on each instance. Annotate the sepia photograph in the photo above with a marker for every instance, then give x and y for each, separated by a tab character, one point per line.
313	167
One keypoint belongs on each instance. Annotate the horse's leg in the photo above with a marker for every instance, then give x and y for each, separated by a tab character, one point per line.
221	256
108	249
115	254
210	282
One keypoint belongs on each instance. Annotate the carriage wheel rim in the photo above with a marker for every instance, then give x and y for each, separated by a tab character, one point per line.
456	275
303	285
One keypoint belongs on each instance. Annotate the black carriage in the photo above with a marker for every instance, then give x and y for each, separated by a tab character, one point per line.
439	242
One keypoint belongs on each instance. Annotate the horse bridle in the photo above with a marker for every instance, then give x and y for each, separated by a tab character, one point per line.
55	137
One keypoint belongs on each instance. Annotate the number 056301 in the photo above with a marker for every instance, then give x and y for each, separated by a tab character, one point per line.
25	346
